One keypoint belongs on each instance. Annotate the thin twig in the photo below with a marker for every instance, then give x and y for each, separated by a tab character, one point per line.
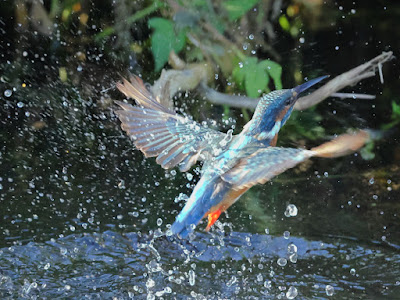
380	72
353	96
349	78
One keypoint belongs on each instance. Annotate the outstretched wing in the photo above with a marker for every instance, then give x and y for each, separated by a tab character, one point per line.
263	165
158	131
266	163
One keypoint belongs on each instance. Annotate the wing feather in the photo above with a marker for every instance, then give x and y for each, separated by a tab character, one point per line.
158	131
263	165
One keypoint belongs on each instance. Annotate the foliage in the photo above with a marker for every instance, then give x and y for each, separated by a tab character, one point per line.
304	124
395	117
237	8
253	76
228	35
163	40
367	152
200	27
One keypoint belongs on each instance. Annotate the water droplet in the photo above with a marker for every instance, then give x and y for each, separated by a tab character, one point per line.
291	211
189	176
286	234
79	68
121	184
268	284
231	281
293	258
292	248
282	261
150	296
150	283
329	290
353	271
291	293
7	93
192	277
159	222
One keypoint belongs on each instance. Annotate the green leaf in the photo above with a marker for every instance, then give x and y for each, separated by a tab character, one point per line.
237	8
164	39
251	76
256	80
367	152
395	110
284	22
275	71
238	74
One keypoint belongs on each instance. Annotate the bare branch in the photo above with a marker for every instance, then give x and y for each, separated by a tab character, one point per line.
251	103
353	96
224	99
191	76
349	78
174	81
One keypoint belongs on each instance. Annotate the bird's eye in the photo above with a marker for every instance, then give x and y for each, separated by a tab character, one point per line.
288	101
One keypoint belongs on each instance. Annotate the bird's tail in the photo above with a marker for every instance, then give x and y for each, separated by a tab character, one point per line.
183	227
346	143
195	208
187	219
208	192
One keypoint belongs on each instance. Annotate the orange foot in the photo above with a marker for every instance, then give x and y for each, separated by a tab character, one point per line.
212	218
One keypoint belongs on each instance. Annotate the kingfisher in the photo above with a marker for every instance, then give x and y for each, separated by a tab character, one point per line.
231	163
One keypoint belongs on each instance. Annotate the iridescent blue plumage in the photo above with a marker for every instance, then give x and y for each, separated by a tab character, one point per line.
232	164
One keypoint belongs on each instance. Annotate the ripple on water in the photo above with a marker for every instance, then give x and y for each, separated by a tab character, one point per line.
128	266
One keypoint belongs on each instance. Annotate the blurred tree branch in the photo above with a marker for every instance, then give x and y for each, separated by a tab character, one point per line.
185	77
349	78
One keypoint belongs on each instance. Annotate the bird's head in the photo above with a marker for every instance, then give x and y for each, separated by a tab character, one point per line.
274	110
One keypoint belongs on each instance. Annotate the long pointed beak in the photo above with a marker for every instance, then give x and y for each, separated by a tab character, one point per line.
301	88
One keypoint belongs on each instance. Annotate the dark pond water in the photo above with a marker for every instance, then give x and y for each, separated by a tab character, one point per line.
83	215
